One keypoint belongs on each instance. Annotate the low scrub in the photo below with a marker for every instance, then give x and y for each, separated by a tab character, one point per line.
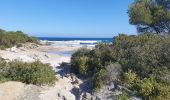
149	88
139	57
9	39
79	62
31	73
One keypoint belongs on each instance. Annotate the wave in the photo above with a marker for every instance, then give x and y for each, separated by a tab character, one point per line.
90	43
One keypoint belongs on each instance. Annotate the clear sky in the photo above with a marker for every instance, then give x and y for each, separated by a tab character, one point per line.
66	18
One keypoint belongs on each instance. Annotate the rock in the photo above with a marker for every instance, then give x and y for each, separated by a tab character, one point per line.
59	95
92	98
46	56
119	87
14	49
72	77
87	95
117	92
76	92
76	81
64	98
98	98
111	87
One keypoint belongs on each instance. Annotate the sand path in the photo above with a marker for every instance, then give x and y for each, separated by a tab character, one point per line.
63	87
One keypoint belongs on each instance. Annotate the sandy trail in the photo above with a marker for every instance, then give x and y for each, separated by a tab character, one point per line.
63	87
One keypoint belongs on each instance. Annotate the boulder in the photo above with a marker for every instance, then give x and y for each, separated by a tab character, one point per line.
13	49
86	96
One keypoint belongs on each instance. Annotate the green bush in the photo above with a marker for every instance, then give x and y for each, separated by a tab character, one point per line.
144	54
140	57
79	61
83	66
4	70
129	77
97	81
123	96
113	72
30	73
19	45
151	89
148	88
96	64
9	39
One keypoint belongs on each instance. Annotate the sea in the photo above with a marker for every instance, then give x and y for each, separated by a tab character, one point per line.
81	42
74	41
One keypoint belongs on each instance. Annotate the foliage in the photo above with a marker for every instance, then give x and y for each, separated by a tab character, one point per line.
145	55
79	61
97	80
138	57
9	39
150	15
129	77
122	96
150	88
30	73
96	64
113	72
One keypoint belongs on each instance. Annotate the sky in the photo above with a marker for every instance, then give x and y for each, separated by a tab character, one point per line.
66	18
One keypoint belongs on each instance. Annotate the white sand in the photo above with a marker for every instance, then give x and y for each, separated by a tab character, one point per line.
11	90
62	86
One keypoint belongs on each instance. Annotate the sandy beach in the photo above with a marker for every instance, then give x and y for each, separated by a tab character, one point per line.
46	54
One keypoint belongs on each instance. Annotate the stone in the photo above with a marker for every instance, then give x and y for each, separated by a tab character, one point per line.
13	49
98	98
87	95
59	95
64	98
76	81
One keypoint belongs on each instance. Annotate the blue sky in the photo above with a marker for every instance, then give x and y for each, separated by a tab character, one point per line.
66	18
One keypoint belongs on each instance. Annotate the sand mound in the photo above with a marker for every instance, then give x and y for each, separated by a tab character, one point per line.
11	90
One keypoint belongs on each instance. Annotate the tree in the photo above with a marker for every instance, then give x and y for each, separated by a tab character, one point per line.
150	15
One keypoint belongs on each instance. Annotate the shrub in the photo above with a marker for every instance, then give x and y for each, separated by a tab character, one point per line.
4	70
83	65
30	73
79	61
97	81
34	73
19	45
139	57
122	96
150	89
113	72
9	39
144	54
2	47
129	77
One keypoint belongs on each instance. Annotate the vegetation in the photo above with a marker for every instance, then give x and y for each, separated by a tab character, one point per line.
141	63
150	15
80	59
9	39
30	73
122	96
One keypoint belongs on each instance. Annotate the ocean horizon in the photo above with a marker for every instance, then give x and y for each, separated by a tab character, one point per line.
58	41
72	38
